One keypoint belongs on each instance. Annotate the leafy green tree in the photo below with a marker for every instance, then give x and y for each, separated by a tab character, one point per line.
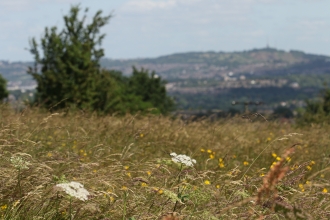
317	111
151	88
3	88
68	73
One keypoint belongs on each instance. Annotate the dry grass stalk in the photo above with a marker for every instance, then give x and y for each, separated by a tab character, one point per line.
275	175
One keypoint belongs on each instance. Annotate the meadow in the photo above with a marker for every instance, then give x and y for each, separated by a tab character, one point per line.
124	168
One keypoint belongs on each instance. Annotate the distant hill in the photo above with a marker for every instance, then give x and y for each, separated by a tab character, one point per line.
214	64
207	80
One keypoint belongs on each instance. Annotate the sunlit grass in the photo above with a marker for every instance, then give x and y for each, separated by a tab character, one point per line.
242	169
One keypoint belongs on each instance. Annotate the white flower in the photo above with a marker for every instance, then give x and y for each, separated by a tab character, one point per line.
19	163
75	189
184	159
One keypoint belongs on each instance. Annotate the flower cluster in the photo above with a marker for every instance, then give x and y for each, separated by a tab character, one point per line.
75	189
19	163
183	159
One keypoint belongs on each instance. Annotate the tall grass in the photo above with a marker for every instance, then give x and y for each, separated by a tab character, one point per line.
244	169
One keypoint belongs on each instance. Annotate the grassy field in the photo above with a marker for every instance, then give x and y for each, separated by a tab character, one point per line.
243	169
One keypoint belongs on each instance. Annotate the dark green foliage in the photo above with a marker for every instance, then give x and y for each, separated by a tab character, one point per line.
119	99
283	112
151	89
69	73
3	88
70	62
318	111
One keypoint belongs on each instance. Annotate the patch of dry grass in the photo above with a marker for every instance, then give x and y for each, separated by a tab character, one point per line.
243	168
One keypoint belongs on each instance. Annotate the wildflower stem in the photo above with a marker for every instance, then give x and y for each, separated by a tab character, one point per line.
178	193
19	181
70	211
124	211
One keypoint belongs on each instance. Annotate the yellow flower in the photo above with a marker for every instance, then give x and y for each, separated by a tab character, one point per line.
309	168
324	190
141	135
112	199
221	165
312	163
262	174
322	175
274	155
149	173
124	188
144	184
269	139
128	174
245	163
209	151
218	186
278	158
211	156
288	159
301	186
158	190
94	171
308	182
295	166
207	182
202	150
4	207
126	167
49	154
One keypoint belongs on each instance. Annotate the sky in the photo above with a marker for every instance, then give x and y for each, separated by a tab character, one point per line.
152	28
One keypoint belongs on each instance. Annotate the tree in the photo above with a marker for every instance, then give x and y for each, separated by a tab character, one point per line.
317	111
3	88
69	70
69	74
151	89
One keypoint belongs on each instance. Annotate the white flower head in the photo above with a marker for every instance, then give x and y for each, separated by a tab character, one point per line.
75	189
183	159
19	163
